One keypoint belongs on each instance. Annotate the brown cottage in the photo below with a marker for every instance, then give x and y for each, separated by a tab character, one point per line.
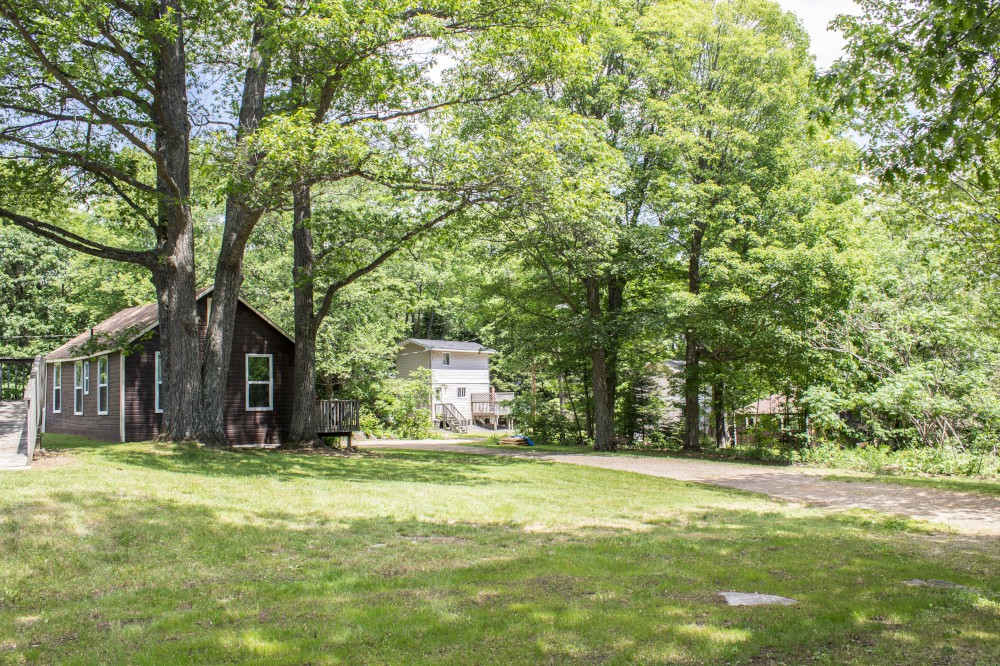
106	384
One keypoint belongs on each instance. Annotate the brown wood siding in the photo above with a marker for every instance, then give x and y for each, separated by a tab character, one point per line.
141	421
252	335
102	427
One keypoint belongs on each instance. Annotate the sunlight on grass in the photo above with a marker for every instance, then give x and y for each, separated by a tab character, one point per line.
153	553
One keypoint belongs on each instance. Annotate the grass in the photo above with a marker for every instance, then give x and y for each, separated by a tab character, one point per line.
154	553
946	483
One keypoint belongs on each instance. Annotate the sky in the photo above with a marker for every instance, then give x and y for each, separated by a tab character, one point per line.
815	16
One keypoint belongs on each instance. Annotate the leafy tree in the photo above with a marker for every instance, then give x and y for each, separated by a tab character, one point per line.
917	350
924	74
94	104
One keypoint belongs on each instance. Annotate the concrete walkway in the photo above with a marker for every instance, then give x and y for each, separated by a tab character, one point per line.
968	513
13	438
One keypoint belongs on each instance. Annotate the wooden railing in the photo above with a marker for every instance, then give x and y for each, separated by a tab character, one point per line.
449	415
491	404
337	416
447	411
34	399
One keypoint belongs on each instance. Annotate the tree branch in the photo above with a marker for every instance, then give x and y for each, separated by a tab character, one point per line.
76	242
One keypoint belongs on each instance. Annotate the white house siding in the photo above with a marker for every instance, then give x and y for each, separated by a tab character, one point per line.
471	361
449	393
468	370
410	358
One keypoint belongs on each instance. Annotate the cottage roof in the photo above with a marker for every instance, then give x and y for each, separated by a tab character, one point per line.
125	327
451	346
773	404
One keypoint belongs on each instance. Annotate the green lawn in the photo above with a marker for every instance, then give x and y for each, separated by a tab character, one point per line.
151	553
987	486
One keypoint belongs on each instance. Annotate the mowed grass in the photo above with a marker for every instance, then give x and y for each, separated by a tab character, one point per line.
154	554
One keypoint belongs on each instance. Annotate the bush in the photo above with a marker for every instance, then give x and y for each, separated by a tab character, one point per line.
401	408
942	460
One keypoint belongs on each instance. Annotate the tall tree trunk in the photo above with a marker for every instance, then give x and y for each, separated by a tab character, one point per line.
719	414
173	275
602	374
303	429
240	220
692	389
692	353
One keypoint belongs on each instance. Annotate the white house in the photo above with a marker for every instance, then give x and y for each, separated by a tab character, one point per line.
460	380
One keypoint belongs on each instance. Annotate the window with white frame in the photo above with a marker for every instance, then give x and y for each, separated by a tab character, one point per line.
460	391
102	385
78	388
447	359
86	377
158	385
260	382
57	388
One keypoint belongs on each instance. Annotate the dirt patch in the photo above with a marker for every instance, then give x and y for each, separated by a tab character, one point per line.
46	459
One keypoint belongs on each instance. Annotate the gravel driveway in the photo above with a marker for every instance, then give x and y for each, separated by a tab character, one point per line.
968	513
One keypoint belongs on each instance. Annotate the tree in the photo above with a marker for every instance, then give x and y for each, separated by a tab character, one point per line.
94	104
352	102
924	74
735	111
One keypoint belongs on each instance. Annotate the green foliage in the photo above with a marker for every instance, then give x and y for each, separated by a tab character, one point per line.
945	460
401	407
916	353
923	75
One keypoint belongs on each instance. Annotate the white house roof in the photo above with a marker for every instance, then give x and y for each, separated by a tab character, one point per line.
451	346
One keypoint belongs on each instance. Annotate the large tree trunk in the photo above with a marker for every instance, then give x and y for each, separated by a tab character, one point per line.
719	414
240	220
173	274
602	374
692	353
604	412
303	428
692	389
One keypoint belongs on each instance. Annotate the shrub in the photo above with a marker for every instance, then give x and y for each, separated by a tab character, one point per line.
401	408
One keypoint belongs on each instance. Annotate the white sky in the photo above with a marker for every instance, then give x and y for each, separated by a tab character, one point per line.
816	16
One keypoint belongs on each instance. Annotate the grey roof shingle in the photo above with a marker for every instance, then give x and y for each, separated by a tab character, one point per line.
451	345
124	327
128	323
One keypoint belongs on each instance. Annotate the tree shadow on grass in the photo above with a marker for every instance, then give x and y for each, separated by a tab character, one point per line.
161	581
402	466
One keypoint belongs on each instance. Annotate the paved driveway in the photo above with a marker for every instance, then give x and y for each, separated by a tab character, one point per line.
969	513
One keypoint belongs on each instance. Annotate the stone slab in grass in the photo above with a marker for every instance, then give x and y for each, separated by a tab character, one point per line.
755	599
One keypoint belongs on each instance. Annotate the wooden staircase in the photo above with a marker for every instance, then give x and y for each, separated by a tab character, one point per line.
450	418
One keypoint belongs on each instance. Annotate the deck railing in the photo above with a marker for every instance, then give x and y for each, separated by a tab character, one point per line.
34	399
491	404
337	416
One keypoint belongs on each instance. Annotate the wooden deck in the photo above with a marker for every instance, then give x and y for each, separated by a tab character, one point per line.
492	409
337	417
491	404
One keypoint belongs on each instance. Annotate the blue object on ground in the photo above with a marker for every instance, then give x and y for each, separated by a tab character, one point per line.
527	439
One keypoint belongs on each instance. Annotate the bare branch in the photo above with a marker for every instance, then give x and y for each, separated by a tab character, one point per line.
79	243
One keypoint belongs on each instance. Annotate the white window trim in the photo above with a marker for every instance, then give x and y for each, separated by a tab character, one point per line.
157	380
105	385
78	386
270	382
460	392
86	377
56	388
446	360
